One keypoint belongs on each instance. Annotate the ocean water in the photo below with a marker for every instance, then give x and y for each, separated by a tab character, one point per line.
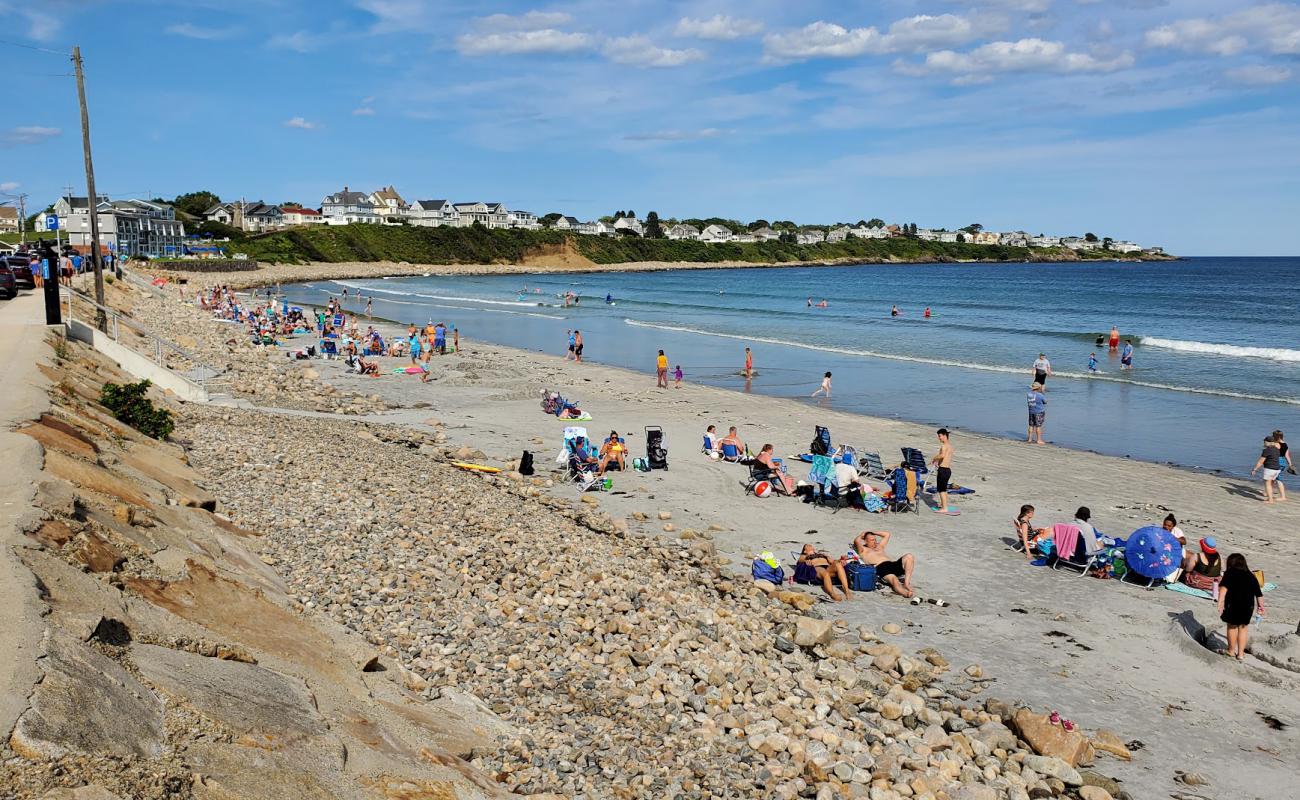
1217	340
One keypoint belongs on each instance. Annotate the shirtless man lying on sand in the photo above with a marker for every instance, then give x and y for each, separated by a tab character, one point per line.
870	547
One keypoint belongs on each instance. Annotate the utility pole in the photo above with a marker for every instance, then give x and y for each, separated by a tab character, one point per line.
22	219
92	199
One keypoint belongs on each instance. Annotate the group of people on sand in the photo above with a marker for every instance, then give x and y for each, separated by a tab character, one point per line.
1274	459
869	547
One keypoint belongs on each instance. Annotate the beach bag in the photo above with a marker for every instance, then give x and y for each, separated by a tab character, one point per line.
862	577
1046	546
805	573
526	463
873	503
640	465
1259	576
763	571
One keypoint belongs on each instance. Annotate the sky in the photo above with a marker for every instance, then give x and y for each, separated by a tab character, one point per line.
1173	123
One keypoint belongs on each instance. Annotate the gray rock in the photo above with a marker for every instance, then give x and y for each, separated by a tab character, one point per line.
1054	768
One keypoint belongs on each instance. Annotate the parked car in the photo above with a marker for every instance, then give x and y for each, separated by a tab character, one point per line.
8	286
21	266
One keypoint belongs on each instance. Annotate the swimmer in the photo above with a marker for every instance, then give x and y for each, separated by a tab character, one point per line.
1114	337
609	299
927	312
810	302
823	304
893	312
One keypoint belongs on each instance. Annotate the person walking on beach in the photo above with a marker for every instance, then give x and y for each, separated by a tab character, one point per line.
1042	368
825	388
677	377
942	475
1037	412
370	305
749	364
661	371
1270	461
572	344
577	345
1126	357
1288	466
1240	599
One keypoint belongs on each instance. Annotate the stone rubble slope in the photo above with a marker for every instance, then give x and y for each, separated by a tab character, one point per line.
173	665
632	666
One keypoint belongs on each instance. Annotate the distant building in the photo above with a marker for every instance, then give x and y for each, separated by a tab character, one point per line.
838	234
1125	247
8	219
766	234
254	217
126	227
716	233
1013	239
388	204
525	220
985	237
431	214
566	224
679	232
630	224
864	232
811	237
489	215
349	208
293	215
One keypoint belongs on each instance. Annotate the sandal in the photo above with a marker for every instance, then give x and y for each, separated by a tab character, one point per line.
1054	718
1067	724
916	601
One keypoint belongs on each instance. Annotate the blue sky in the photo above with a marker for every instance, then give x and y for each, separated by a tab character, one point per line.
1172	123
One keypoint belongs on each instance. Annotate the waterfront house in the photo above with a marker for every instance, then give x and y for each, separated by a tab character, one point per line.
428	213
1013	239
294	215
766	234
348	207
716	233
948	236
525	220
592	228
566	223
388	204
984	237
259	217
814	236
744	238
629	224
126	227
865	232
838	234
683	231
1044	241
1125	247
489	215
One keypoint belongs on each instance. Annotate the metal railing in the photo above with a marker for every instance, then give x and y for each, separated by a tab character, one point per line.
157	348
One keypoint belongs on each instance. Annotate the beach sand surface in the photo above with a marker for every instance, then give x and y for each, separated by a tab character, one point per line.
1105	654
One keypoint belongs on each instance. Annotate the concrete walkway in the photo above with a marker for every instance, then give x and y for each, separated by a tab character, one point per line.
22	330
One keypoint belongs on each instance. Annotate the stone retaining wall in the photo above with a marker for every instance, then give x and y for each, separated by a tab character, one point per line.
206	265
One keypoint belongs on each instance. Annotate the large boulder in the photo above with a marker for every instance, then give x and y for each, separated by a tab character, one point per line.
810	632
1051	740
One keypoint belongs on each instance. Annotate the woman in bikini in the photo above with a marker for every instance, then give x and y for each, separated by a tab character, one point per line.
823	568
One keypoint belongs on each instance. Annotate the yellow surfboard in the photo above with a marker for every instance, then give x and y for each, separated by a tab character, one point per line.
475	467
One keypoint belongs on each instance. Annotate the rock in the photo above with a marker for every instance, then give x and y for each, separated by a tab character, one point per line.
91	792
766	587
1108	742
891	710
590	499
669	527
1094	793
87	704
891	628
1051	740
809	632
53	533
1192	779
1054	767
975	671
973	792
96	554
124	513
841	649
800	600
665	515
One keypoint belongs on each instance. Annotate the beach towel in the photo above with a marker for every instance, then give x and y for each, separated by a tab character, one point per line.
1183	588
954	490
1066	538
413	370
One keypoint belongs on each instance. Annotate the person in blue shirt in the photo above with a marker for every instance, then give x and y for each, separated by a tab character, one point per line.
1126	356
440	339
1092	362
76	263
1037	413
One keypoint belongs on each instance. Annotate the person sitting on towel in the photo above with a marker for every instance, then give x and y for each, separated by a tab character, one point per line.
1029	535
1202	570
870	547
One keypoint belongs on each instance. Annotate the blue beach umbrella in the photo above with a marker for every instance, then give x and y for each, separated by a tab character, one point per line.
1153	552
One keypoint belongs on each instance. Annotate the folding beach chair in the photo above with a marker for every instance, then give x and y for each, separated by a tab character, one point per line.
732	453
579	458
872	466
821	443
329	348
1079	559
906	486
915	460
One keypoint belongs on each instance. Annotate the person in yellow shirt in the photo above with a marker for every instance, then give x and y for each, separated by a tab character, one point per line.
661	369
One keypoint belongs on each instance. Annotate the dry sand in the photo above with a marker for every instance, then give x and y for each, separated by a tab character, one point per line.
1105	654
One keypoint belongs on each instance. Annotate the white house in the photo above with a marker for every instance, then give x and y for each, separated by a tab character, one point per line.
766	234
864	232
744	238
526	220
348	207
683	232
489	215
566	224
593	228
1125	247
1079	243
388	204
430	213
838	234
1044	241
811	237
716	233
631	224
948	236
1014	239
292	215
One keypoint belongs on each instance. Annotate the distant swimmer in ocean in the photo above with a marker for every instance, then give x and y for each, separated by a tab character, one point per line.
823	304
810	302
893	312
609	299
927	312
1114	337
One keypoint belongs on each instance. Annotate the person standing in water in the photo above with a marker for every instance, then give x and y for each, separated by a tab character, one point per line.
825	388
370	305
749	364
1126	357
1042	368
1037	412
927	312
1114	337
572	345
677	377
1092	362
893	312
943	461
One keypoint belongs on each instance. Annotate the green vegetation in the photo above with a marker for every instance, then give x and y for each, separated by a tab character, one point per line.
131	405
478	245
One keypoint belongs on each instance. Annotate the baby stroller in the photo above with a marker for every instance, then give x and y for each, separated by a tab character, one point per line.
656	453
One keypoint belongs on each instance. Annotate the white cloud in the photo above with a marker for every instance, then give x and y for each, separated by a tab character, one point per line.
29	134
1024	55
41	26
1259	74
912	34
299	41
9	186
363	111
719	27
395	16
546	40
529	21
300	123
191	31
641	52
675	135
1273	28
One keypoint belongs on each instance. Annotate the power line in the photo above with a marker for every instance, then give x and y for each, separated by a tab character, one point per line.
34	47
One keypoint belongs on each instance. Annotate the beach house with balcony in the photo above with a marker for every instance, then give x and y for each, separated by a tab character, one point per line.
349	208
716	233
429	213
388	204
683	231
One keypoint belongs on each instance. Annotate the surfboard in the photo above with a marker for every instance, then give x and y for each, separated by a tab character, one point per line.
475	467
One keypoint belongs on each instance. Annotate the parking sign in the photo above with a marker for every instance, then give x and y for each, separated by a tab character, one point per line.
52	222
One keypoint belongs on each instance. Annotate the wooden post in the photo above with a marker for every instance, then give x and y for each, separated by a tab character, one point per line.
92	198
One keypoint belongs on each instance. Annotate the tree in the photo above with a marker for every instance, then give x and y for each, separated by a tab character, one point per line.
974	227
784	225
195	203
862	223
617	216
759	223
551	218
630	214
1106	243
875	222
1090	237
961	238
652	228
789	237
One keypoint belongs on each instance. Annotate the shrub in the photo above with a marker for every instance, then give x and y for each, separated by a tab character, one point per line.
130	404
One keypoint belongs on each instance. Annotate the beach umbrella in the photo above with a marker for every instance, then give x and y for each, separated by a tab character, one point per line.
1153	552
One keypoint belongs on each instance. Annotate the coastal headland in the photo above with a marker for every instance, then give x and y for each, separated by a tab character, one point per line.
613	645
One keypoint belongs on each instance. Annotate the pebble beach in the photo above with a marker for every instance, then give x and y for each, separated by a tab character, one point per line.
621	641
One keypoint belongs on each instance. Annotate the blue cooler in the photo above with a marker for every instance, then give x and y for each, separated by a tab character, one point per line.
862	577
